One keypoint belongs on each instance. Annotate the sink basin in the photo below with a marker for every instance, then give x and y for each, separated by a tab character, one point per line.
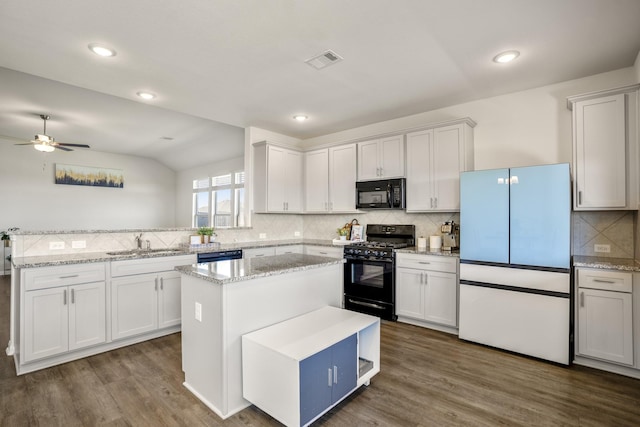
143	251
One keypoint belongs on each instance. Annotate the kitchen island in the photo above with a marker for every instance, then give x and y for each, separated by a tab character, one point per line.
223	300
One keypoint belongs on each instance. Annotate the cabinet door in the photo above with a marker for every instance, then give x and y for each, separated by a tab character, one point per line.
134	305
316	172
368	165
391	157
345	367
409	299
316	380
600	147
46	323
87	315
276	179
169	307
293	181
419	177
605	325
447	165
441	298
342	178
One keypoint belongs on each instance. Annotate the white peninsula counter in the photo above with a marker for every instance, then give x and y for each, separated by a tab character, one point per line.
223	300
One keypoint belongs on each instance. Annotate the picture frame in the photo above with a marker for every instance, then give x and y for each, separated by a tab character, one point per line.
357	232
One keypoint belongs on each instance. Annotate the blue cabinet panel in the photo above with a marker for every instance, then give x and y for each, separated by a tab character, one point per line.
345	362
484	215
540	216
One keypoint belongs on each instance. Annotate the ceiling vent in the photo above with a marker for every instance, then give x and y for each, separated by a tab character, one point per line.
323	60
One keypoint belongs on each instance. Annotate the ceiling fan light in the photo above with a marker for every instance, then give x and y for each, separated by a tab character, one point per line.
101	50
300	117
44	148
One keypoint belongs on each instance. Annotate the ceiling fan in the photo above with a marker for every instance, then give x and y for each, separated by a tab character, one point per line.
46	143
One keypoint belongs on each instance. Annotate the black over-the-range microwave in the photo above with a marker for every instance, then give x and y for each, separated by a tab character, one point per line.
380	194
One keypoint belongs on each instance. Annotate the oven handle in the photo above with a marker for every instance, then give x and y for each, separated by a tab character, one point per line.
366	304
354	260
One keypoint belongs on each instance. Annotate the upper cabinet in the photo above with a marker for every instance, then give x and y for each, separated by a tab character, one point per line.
330	179
605	149
435	158
277	177
381	158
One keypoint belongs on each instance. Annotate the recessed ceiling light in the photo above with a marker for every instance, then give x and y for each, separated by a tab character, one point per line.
102	50
300	117
507	56
146	95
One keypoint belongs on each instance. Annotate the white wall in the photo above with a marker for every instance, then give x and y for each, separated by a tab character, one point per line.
184	185
30	200
517	129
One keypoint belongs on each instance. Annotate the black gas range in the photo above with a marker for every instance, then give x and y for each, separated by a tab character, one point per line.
369	274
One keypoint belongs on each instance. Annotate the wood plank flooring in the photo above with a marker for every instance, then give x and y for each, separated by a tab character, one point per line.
428	378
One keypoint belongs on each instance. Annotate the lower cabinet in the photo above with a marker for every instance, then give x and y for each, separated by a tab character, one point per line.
605	320
327	377
326	251
144	303
298	369
62	319
427	289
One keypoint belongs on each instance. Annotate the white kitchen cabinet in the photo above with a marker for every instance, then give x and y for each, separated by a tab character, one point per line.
435	158
381	158
605	153
258	252
277	179
326	251
605	321
289	249
145	295
330	179
298	369
427	290
60	312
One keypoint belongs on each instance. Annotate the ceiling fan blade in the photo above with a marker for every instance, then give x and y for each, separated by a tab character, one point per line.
58	144
58	147
25	143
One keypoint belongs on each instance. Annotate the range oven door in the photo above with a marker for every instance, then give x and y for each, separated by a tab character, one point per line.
369	287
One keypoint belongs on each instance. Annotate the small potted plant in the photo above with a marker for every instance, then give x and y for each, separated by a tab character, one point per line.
343	232
206	234
5	238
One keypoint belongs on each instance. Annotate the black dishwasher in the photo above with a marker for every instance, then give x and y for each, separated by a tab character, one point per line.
219	255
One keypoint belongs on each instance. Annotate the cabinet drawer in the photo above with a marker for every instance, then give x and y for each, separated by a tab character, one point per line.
149	265
428	262
49	277
605	280
327	251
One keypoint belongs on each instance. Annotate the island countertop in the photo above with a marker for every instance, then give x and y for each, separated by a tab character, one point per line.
228	271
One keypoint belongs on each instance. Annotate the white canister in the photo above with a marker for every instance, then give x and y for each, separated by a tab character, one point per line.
435	243
422	243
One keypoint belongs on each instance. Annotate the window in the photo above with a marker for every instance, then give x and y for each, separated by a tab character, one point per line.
219	201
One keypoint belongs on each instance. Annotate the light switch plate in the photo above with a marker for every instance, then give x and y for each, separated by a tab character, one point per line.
296	234
602	248
78	244
56	245
263	235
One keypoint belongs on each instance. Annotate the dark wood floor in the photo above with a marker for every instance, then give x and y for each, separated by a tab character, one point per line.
427	379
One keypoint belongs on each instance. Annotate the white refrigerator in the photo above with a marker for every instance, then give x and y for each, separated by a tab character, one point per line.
515	260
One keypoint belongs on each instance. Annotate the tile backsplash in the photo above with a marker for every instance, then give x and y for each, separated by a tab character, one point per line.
613	228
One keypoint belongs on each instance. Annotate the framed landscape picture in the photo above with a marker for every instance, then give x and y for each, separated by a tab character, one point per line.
87	175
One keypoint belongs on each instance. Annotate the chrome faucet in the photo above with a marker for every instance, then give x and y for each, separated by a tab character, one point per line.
138	240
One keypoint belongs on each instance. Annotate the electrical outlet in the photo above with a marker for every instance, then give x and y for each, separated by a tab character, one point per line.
56	245
296	234
263	235
602	248
198	312
78	244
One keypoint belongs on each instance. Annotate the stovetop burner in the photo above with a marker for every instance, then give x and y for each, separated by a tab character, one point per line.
379	245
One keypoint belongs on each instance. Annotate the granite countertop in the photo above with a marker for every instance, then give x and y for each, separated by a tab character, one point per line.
623	264
427	251
223	272
119	255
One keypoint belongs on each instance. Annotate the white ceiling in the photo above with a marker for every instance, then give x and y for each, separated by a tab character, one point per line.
219	66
